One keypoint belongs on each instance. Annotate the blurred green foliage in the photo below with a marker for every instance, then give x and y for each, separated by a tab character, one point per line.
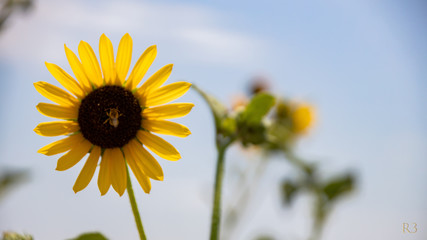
257	108
289	190
9	6
90	236
10	178
338	187
16	236
251	129
274	125
219	111
265	238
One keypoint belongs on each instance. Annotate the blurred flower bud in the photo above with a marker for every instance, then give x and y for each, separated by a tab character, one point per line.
302	118
238	103
228	126
283	110
259	84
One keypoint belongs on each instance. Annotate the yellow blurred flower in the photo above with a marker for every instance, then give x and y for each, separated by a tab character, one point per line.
110	117
302	117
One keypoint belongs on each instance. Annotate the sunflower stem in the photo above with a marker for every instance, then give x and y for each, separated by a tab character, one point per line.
216	209
135	208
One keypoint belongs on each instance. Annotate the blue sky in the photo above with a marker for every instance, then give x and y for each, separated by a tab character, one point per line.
361	63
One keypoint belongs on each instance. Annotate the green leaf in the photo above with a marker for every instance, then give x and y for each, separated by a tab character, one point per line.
289	190
258	107
90	236
219	111
251	129
339	186
10	178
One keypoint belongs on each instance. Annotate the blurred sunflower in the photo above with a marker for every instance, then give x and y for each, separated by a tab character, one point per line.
302	117
110	117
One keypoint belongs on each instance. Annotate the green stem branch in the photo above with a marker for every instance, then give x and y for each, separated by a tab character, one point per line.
216	211
135	207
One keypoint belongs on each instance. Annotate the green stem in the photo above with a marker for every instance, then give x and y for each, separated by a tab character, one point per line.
135	208
299	163
216	210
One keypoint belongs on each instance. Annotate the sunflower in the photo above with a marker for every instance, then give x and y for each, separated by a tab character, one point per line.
108	116
302	117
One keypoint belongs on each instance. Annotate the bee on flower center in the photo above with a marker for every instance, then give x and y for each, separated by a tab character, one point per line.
113	116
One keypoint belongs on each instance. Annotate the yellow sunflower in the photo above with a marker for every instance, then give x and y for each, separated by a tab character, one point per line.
110	117
302	117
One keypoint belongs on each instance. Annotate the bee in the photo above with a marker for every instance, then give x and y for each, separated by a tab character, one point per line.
113	116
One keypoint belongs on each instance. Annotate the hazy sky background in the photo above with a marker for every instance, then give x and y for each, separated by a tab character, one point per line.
361	63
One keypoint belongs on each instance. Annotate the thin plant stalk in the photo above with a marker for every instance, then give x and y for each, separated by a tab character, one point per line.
223	141
243	199
135	208
216	210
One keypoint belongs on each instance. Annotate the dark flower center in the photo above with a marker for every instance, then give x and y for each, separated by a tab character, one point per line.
109	117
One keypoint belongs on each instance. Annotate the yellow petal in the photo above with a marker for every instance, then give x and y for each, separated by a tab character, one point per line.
51	129
104	176
137	170
156	80
174	110
90	64
55	94
158	146
72	157
88	170
124	56
78	70
55	111
165	94
141	67
65	80
166	127
118	170
146	162
62	145
106	54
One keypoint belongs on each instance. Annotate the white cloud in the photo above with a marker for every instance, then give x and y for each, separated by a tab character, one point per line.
220	45
197	34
